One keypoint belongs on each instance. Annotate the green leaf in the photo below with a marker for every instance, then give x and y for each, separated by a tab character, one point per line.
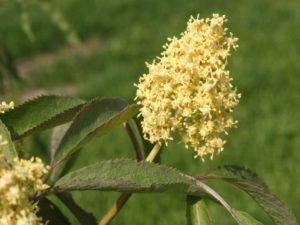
39	114
137	177
246	219
95	119
127	176
249	182
8	148
84	217
196	211
56	137
51	213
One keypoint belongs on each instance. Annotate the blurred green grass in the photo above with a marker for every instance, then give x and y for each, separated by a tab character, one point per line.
265	70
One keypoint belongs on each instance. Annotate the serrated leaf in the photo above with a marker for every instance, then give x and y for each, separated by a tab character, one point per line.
196	211
39	114
137	177
56	137
8	147
127	176
249	182
246	219
96	118
50	213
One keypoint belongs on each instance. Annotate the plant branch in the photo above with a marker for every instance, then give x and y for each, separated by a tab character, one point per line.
82	216
217	197
117	206
134	141
113	211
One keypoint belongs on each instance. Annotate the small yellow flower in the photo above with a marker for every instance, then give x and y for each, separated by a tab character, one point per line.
188	90
17	184
6	106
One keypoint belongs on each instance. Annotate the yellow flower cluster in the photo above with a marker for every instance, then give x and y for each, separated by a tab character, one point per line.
5	107
17	184
188	90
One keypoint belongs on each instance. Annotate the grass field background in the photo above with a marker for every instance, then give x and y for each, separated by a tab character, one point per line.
125	34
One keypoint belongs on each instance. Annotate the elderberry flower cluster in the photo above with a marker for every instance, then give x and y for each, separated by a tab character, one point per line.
6	106
188	89
18	183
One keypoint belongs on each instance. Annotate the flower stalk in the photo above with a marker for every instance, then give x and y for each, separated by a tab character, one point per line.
118	205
